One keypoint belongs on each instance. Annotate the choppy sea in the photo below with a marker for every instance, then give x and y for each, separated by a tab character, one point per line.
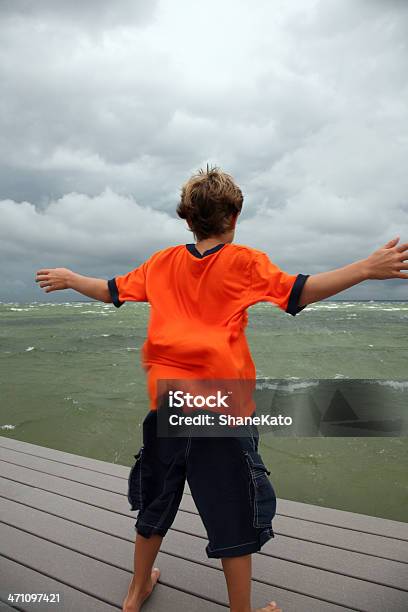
70	379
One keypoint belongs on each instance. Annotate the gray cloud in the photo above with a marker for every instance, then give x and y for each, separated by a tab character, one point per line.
92	13
108	107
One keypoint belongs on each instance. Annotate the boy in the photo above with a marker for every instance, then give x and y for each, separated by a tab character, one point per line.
199	294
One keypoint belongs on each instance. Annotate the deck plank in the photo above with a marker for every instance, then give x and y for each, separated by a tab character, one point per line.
114	469
83	475
341	518
5	607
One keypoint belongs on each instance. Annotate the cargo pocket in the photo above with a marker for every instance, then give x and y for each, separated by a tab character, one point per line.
135	495
263	498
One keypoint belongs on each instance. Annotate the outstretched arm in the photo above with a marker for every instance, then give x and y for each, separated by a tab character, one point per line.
387	262
52	279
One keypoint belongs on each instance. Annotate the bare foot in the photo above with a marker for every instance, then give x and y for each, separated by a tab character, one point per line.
134	600
270	607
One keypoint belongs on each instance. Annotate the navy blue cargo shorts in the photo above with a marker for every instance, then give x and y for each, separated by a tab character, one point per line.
228	482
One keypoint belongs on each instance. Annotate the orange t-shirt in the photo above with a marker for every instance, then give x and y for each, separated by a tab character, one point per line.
199	309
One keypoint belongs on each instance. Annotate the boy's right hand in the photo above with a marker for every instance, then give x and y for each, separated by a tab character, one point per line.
53	279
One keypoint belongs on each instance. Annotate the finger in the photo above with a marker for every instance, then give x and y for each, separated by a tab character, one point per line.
401	275
402	247
44	271
391	243
45	284
42	278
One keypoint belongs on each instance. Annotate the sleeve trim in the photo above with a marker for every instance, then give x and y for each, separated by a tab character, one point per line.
293	302
113	290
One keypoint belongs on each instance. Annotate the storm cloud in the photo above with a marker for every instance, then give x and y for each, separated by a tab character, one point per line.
107	108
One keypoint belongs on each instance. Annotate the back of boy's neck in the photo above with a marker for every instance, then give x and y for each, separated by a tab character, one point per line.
208	243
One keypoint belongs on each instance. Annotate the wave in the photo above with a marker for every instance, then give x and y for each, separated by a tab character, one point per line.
286	385
19	309
398	385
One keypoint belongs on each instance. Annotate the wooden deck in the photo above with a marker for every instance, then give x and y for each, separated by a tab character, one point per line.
66	528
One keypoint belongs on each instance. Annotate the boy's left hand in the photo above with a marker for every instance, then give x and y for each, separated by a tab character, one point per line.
388	261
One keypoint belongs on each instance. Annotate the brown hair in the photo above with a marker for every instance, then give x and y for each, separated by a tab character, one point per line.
208	201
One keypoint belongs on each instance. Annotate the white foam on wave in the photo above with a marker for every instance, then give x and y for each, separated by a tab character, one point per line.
384	306
7	426
288	385
77	304
70	399
19	309
398	385
29	348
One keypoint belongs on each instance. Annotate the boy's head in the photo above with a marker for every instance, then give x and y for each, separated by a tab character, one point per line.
210	203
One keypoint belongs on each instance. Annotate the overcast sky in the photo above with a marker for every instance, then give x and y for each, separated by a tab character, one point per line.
108	107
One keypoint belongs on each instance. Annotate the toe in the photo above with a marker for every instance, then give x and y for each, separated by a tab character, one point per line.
155	575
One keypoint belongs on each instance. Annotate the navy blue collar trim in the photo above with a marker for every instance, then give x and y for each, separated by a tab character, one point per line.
194	251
